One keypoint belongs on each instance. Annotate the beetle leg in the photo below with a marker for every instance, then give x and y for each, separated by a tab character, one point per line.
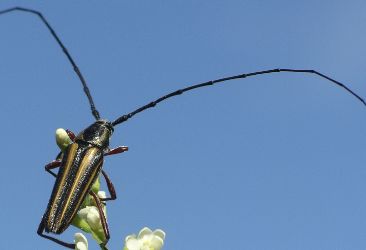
103	220
59	156
71	135
52	165
110	186
62	243
116	150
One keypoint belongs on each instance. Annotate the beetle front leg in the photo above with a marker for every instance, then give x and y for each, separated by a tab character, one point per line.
116	150
71	135
60	242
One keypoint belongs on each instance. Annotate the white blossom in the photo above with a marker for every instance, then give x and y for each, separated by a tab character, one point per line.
145	240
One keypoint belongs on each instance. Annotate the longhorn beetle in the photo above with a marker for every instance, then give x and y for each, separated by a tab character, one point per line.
81	163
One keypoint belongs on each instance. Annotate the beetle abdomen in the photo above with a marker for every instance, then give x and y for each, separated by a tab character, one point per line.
79	169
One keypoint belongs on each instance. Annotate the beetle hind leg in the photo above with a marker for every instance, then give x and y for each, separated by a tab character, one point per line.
40	232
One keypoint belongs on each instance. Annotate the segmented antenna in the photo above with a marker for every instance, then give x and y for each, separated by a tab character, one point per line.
75	67
209	83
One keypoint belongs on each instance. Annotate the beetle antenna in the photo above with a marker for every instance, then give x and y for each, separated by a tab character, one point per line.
209	83
75	67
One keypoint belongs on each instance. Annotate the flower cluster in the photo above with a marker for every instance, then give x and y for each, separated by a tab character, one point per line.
145	240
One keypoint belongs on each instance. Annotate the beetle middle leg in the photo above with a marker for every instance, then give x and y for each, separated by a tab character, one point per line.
110	186
52	165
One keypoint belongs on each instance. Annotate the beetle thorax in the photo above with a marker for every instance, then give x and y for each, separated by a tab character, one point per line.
97	134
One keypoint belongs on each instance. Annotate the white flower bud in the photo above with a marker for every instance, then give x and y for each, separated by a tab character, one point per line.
102	195
62	139
81	243
91	215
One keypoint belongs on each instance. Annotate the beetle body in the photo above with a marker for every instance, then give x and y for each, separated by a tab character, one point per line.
81	164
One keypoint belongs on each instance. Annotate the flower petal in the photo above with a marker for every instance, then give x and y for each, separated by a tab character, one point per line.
144	232
129	237
156	243
160	233
80	246
102	195
133	244
81	243
83	213
93	218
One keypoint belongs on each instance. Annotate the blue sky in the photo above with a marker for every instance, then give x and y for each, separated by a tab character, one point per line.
272	162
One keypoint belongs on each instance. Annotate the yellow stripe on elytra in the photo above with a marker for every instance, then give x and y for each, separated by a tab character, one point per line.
90	153
90	182
67	167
